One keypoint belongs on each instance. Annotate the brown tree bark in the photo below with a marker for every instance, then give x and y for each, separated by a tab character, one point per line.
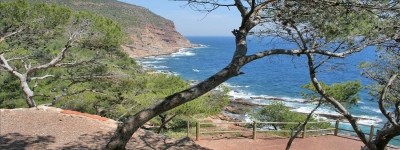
164	122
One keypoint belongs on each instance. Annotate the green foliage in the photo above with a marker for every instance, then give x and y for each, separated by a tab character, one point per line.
278	112
211	103
106	82
44	30
346	92
127	16
380	70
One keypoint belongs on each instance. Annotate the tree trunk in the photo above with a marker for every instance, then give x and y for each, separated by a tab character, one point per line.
164	122
125	130
28	92
383	137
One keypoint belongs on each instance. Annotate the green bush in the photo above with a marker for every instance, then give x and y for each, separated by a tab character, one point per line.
278	112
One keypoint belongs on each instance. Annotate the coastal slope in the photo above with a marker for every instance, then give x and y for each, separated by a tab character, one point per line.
148	34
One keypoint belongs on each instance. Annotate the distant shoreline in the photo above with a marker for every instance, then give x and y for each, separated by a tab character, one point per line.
166	51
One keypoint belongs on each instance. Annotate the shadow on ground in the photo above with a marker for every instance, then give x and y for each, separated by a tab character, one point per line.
14	141
145	141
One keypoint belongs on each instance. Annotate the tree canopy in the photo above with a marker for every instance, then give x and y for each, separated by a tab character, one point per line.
63	49
322	30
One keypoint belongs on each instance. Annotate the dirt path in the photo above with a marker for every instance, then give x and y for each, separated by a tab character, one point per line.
52	128
310	143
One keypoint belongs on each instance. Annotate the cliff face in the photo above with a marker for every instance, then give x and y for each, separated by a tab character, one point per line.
148	34
152	40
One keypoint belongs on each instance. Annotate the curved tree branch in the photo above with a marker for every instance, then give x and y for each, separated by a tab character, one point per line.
57	59
336	104
382	98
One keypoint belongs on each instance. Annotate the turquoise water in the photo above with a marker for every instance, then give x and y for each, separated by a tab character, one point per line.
271	77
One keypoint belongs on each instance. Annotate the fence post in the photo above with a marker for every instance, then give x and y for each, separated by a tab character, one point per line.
197	130
188	128
254	130
371	133
303	135
336	127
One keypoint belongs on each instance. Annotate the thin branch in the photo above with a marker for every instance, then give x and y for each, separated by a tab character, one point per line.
56	98
303	41
163	124
301	128
241	8
74	64
291	52
10	34
59	58
18	58
4	64
42	77
382	98
334	102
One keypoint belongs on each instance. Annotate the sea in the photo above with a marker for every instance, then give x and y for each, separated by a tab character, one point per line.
275	77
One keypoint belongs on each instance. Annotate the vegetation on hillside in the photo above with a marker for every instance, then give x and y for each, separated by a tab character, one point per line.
346	92
278	112
87	69
127	16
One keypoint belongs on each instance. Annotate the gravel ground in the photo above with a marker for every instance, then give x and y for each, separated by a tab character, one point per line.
52	128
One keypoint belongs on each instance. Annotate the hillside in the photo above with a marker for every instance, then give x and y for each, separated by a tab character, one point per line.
149	34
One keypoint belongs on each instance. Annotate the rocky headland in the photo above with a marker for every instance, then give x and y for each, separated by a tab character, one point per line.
148	34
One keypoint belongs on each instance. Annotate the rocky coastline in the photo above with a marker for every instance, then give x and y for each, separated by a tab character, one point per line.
243	106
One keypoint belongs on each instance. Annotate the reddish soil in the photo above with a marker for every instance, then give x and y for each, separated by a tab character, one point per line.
53	128
310	143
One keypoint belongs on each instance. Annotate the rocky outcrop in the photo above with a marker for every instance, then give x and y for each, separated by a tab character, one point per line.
148	34
152	40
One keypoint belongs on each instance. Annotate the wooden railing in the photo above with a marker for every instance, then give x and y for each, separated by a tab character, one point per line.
371	133
255	130
252	126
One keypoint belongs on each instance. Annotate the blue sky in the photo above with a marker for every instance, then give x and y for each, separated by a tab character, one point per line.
192	23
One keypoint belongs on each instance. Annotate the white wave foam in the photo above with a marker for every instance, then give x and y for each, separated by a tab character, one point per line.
183	52
198	46
160	67
149	57
371	109
292	99
196	70
236	86
368	120
151	62
167	72
240	94
299	105
160	58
